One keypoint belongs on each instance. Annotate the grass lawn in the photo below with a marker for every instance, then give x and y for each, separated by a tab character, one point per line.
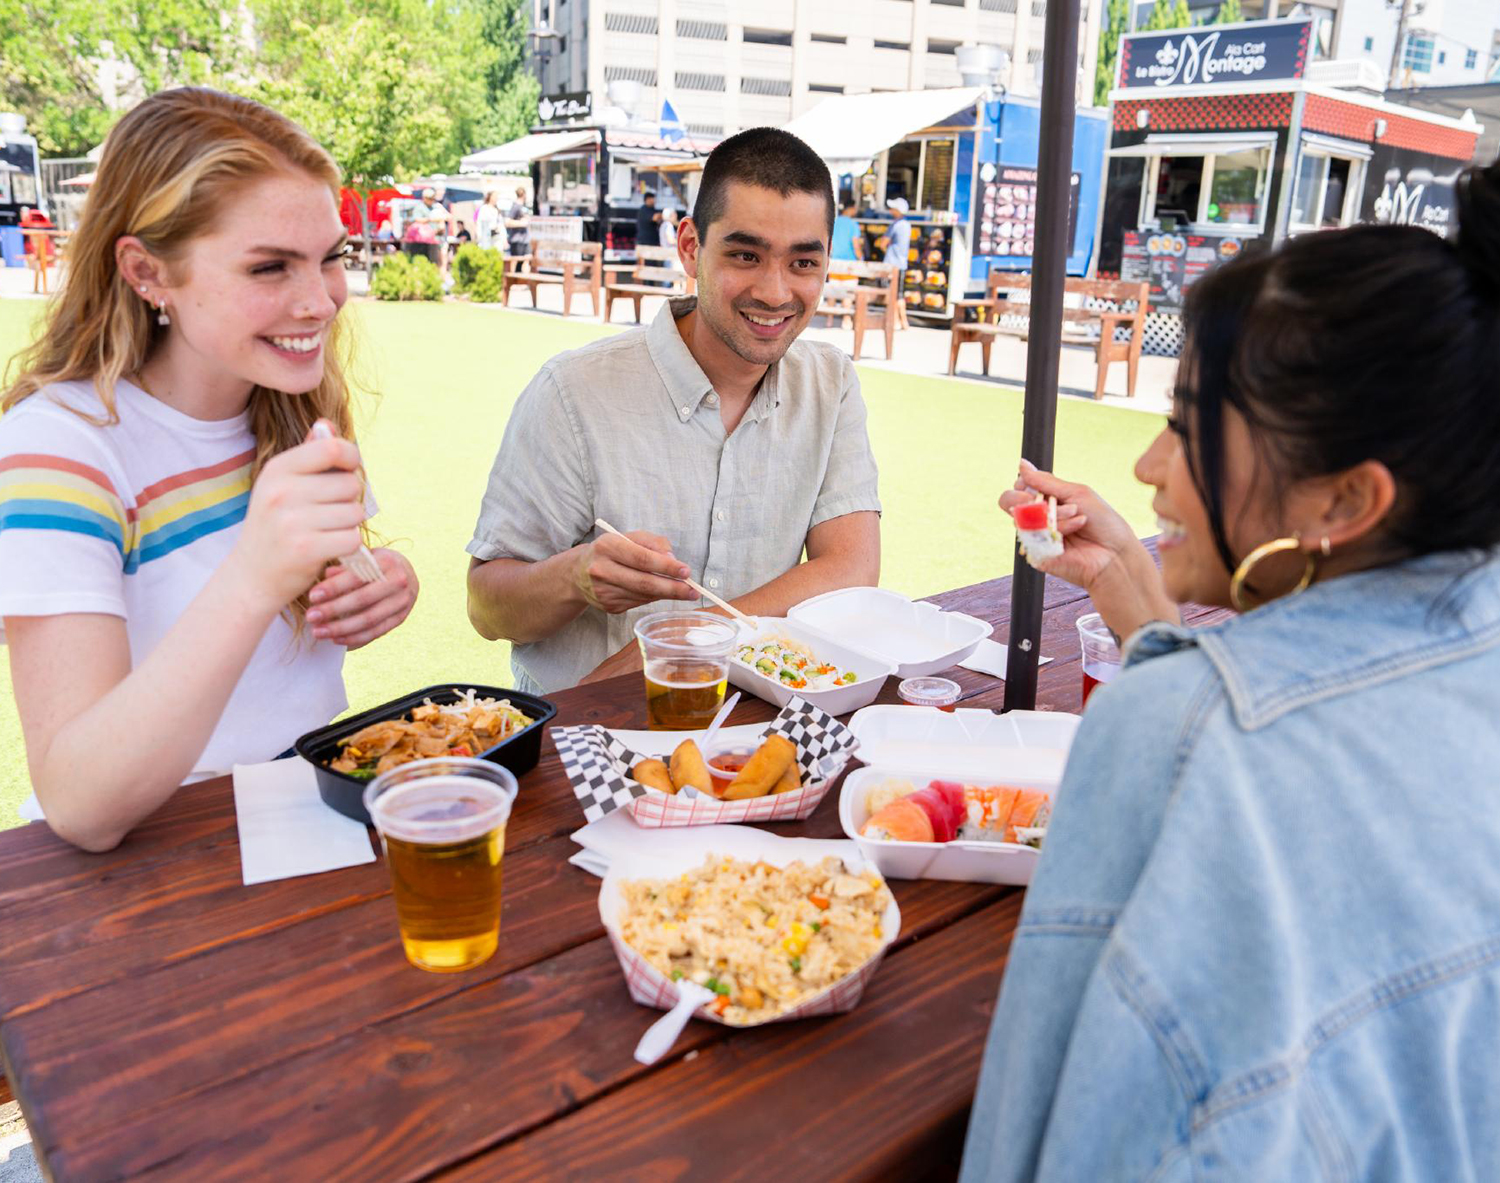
447	376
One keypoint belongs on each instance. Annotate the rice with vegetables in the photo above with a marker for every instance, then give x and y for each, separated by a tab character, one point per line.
763	938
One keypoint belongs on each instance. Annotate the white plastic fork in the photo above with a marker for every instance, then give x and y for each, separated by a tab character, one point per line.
361	562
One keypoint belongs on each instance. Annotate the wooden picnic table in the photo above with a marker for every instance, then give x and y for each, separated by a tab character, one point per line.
160	1020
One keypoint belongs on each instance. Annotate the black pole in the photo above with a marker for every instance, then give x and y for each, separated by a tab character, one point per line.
1048	277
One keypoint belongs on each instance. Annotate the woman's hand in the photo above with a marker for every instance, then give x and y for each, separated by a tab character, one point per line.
352	613
305	512
1101	553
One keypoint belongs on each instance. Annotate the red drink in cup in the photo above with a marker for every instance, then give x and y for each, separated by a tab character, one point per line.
1101	656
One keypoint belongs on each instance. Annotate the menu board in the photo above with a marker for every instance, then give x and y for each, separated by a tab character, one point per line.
1005	213
1172	263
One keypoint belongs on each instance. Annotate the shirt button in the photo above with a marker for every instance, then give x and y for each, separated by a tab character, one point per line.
713	583
686	411
720	515
711	399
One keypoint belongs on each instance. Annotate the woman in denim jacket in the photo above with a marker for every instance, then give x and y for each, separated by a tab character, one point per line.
1263	941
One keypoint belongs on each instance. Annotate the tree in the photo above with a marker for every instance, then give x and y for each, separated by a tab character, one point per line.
1166	15
1229	12
511	92
1116	19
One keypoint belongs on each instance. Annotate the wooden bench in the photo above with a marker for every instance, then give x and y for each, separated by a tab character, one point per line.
574	266
873	300
651	262
1084	303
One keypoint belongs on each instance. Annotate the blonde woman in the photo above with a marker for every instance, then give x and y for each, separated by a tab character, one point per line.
169	533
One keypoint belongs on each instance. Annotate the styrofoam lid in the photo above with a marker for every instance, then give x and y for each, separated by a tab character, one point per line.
965	743
902	631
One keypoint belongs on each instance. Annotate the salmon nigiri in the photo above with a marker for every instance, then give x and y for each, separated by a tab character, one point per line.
903	820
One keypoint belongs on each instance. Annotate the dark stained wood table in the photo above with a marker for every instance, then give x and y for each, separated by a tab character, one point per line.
159	1020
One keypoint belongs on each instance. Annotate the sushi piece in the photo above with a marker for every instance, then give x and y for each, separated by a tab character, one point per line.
1036	526
1032	810
903	820
944	806
767	665
986	813
883	794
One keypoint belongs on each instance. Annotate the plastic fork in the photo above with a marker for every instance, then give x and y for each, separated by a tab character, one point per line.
361	562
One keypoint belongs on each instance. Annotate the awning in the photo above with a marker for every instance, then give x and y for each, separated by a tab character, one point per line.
514	156
849	131
1210	143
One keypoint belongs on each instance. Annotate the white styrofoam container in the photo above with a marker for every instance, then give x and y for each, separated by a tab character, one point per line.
918	639
871	671
649	987
1024	749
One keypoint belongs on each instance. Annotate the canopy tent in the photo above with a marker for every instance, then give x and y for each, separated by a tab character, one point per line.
83	180
849	131
519	153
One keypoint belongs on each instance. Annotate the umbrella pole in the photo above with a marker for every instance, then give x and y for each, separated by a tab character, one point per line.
1048	275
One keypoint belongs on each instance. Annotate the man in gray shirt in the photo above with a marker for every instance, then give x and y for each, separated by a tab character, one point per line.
721	444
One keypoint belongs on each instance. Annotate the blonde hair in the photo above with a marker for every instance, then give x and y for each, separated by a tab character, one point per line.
168	167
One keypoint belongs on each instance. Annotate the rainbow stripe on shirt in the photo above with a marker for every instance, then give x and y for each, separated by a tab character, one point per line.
41	492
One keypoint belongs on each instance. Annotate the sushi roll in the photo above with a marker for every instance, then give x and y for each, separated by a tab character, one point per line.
1036	526
903	820
767	665
792	678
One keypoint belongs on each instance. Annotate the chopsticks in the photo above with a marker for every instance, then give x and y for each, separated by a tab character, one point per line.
692	583
361	562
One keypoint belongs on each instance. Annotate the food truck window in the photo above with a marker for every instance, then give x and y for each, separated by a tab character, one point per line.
568	184
1237	190
1178	189
903	167
1321	199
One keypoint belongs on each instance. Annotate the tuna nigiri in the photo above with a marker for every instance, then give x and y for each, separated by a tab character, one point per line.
1036	526
944	804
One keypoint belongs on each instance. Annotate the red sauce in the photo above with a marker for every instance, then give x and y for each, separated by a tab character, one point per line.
731	762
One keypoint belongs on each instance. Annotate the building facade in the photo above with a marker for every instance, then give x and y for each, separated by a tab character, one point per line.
729	64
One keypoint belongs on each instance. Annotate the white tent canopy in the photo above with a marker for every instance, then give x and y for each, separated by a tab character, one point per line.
849	131
516	155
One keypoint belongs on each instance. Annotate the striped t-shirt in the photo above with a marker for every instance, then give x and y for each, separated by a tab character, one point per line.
130	519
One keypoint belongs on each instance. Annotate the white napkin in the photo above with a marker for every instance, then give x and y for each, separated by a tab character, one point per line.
286	830
989	658
616	835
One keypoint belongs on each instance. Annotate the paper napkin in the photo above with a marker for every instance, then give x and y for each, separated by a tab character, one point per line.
616	836
286	830
989	658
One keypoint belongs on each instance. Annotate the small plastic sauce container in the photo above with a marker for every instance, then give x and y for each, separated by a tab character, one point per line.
942	693
725	762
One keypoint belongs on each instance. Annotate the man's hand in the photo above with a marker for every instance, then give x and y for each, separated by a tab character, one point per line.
616	574
627	660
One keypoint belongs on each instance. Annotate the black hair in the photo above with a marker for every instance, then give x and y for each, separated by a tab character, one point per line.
1370	343
648	194
763	156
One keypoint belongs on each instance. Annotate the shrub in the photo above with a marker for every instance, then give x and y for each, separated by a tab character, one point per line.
407	277
479	272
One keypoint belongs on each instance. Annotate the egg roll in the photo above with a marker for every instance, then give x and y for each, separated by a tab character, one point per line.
763	770
790	779
653	774
689	768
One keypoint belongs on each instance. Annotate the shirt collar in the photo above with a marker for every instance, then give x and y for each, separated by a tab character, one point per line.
686	383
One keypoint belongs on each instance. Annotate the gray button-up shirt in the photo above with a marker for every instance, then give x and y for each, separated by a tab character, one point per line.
628	429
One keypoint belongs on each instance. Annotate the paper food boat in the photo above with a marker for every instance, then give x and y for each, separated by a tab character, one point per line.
872	631
650	987
598	763
1023	749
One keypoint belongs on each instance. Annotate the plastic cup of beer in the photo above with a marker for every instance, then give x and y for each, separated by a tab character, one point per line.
442	824
1101	656
686	658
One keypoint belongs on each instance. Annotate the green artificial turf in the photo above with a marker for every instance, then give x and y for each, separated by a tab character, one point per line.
446	377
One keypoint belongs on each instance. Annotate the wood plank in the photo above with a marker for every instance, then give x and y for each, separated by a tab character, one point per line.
903	1063
402	1096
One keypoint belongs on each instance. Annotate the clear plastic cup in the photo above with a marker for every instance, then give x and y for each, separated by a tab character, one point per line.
442	825
686	659
1101	656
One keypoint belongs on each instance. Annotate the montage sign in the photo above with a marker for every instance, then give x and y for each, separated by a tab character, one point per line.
1215	55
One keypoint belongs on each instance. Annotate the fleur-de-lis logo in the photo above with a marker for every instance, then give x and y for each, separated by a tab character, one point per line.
1167	54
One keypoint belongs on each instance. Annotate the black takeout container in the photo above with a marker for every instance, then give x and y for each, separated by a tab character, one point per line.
519	752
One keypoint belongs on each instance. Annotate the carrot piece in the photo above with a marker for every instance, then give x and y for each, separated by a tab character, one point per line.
820	901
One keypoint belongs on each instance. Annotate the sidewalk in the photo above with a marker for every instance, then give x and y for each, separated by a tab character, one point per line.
918	350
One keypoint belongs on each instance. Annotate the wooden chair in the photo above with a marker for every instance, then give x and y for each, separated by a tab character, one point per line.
573	266
651	262
872	301
1109	303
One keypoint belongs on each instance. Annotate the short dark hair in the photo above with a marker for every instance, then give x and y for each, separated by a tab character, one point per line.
1378	342
763	156
648	195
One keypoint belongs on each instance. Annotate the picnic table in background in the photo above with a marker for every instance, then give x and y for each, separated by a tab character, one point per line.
44	249
573	266
869	294
158	1018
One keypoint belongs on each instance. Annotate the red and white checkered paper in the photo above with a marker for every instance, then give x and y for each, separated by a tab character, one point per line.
656	810
650	987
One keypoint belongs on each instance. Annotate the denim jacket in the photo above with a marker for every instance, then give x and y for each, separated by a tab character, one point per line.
1263	939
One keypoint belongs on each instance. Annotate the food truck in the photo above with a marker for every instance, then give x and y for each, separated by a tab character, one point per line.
1225	139
964	160
19	171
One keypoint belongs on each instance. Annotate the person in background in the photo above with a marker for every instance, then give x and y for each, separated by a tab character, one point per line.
668	229
648	221
487	219
517	220
848	241
898	238
668	432
463	236
433	216
169	531
1263	937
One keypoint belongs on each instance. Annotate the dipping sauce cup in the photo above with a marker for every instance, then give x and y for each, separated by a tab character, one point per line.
686	658
442	824
1101	656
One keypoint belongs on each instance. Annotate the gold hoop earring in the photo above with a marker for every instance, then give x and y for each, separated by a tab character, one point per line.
1252	560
